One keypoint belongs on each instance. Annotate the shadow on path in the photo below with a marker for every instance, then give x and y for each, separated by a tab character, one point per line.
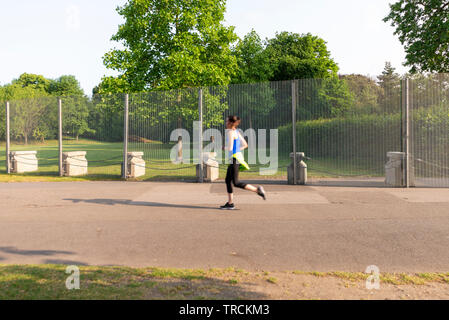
14	250
45	253
64	262
113	202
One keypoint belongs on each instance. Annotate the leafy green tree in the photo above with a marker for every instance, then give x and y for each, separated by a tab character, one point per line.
173	44
423	29
75	116
323	98
366	93
25	107
65	86
34	106
390	82
252	60
30	117
106	117
321	93
295	56
429	91
74	103
111	85
33	81
253	102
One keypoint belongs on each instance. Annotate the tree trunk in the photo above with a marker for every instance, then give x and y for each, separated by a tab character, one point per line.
26	139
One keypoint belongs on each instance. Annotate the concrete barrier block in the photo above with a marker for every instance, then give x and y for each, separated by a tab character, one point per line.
301	169
24	161
210	167
394	170
136	164
74	163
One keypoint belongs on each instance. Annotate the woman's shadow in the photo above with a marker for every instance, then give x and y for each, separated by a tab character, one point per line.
125	202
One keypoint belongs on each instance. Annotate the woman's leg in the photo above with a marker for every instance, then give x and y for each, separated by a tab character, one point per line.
229	177
259	190
235	176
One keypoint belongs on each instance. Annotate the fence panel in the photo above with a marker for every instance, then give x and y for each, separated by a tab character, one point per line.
429	118
34	127
264	109
94	125
156	121
347	135
3	137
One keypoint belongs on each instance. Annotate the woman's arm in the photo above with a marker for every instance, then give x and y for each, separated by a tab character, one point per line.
230	140
244	143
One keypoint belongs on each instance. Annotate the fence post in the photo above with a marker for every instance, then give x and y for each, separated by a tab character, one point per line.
61	173
125	138
294	129
8	158
200	134
406	129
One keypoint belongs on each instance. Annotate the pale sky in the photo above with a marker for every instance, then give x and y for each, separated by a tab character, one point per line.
60	37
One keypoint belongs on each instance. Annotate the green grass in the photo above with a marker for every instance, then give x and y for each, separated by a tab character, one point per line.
47	282
390	278
104	161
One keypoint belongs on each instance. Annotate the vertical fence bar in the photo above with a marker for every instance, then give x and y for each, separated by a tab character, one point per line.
61	173
200	134
406	130
407	134
8	141
294	129
125	138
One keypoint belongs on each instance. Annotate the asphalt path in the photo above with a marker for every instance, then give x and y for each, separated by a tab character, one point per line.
308	228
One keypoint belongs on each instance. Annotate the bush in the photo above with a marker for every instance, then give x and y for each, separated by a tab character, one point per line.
370	136
355	136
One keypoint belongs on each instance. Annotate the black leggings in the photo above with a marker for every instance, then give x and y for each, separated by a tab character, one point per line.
232	176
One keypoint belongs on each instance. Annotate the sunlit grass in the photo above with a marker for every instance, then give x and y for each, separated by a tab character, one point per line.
105	158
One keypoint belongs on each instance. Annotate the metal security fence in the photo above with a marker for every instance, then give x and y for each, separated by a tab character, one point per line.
263	109
160	123
428	130
343	139
94	126
340	129
33	122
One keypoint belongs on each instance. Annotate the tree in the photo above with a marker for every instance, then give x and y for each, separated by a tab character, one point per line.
366	92
75	116
323	98
390	82
65	86
34	81
34	106
253	102
30	117
423	29
75	105
173	44
252	60
295	56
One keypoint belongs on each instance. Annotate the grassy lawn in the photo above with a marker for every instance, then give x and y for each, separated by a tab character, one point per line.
48	282
104	160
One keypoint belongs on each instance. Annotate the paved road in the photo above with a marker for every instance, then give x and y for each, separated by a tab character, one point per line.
322	228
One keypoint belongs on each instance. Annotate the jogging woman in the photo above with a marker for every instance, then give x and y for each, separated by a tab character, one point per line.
235	144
